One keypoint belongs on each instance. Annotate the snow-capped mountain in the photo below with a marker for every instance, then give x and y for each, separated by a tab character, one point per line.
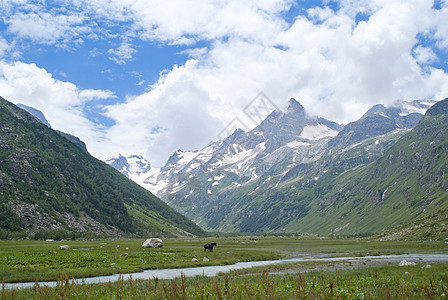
380	120
135	167
218	186
247	155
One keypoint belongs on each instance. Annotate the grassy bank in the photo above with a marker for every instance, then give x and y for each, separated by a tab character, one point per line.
22	261
390	282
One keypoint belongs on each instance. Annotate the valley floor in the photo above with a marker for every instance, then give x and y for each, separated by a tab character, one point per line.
354	279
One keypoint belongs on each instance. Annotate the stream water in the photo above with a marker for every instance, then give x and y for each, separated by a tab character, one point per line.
214	270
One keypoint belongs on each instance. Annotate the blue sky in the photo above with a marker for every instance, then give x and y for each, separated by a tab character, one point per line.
149	77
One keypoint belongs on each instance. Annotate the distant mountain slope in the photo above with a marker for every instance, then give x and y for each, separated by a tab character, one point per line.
46	183
432	225
408	182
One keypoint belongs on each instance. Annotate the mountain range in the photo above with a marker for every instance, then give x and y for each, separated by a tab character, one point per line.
296	173
48	183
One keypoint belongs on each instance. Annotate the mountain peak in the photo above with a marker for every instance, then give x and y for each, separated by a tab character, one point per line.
376	109
295	106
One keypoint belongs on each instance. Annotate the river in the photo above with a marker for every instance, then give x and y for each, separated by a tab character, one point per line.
214	270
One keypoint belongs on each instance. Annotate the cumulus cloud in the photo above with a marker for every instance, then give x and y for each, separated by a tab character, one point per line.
174	114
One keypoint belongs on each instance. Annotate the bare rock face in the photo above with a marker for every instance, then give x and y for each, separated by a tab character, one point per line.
152	243
34	220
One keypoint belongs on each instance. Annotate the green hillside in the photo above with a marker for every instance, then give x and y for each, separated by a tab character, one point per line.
47	183
429	226
408	182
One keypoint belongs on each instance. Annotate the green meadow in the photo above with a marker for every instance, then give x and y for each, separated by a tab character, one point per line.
26	260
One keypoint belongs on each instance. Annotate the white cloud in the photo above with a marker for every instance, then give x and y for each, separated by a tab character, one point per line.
424	55
174	114
46	28
122	54
441	33
4	47
183	22
90	94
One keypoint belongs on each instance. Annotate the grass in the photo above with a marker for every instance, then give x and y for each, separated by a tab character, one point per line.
22	261
388	282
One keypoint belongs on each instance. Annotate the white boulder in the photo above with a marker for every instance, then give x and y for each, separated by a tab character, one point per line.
64	247
152	243
406	263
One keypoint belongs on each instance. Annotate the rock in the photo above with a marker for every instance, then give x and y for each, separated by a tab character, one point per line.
194	259
64	247
152	243
406	263
206	259
123	255
426	267
49	240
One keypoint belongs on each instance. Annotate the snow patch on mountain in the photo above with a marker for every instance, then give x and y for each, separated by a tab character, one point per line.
419	107
317	132
297	144
183	158
240	155
177	187
152	182
218	178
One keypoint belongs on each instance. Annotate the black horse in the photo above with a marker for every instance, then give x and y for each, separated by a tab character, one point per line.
209	247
